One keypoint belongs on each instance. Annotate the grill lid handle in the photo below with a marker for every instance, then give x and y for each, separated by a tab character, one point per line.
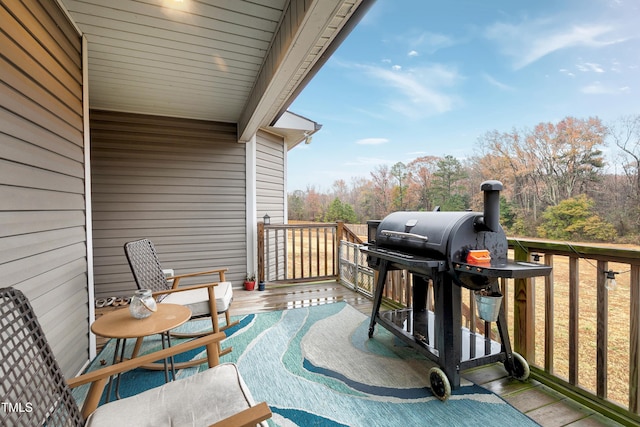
403	235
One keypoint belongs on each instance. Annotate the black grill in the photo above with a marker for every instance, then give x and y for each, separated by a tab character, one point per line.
452	250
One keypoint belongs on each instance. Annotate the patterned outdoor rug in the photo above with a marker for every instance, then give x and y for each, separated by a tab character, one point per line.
316	366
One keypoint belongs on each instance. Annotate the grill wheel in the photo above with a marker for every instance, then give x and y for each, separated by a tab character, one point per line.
520	370
440	386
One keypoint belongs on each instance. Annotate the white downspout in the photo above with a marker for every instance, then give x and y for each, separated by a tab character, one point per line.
285	198
251	205
87	193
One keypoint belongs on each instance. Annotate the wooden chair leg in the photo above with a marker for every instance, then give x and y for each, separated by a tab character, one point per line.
136	348
228	323
214	320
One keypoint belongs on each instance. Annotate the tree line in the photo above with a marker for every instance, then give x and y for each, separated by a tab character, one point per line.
557	183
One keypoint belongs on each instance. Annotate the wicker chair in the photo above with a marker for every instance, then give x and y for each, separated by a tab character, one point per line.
203	300
34	391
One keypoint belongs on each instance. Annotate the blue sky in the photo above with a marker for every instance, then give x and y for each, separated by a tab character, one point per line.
419	78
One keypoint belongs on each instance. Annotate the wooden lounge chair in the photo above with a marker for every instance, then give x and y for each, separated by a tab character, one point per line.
205	300
35	393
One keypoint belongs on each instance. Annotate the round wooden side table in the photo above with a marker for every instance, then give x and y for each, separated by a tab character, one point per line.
120	325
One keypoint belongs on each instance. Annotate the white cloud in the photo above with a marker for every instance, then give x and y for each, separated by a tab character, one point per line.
367	161
372	141
598	88
566	72
428	42
413	53
396	67
590	66
615	67
496	83
415	154
530	41
418	92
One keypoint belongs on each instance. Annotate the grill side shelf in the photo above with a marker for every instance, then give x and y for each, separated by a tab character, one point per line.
509	270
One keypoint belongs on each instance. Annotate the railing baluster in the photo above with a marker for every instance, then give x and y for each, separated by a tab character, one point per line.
286	254
317	252
267	248
326	258
549	317
505	297
294	261
472	324
602	308
634	340
310	252
574	316
277	255
335	241
301	255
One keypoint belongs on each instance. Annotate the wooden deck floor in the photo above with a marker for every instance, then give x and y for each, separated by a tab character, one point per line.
545	406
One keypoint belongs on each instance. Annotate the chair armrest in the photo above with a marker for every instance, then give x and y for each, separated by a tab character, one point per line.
247	418
184	288
199	273
176	278
98	378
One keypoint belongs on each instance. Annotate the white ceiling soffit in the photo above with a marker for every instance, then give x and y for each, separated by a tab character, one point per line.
233	61
294	129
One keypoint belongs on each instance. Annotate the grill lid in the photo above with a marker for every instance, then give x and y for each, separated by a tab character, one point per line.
423	241
442	235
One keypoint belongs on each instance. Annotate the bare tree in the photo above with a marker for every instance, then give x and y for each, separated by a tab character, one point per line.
420	180
567	156
626	135
507	159
381	190
399	172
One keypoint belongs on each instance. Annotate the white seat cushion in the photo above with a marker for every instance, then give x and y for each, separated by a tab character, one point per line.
198	299
199	400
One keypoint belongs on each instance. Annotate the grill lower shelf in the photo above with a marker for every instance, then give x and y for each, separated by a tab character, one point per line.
419	326
439	335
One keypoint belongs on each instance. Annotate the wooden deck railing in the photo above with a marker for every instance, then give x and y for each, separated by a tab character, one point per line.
580	335
300	252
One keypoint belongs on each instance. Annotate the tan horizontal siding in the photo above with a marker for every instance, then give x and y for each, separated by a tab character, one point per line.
36	221
178	182
42	214
270	185
35	145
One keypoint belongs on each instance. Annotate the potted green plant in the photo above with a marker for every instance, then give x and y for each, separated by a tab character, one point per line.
250	281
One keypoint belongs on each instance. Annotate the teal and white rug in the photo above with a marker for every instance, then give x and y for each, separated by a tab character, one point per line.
316	366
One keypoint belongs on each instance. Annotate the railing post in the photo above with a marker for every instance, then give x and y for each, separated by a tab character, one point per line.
634	340
336	244
523	313
356	256
261	252
602	310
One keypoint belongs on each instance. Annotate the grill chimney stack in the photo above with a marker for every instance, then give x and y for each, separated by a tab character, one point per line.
491	218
